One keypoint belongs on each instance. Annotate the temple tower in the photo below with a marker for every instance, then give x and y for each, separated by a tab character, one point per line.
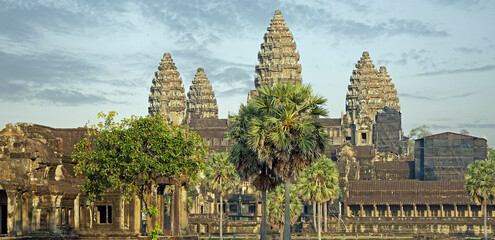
369	91
167	95
277	59
389	93
201	101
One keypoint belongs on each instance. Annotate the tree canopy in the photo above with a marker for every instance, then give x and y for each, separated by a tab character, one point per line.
220	175
480	184
285	133
130	156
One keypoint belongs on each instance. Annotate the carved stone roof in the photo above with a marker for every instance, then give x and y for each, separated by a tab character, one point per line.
370	90
201	102
278	59
167	95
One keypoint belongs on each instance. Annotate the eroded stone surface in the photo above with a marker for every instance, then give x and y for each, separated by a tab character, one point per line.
277	59
201	102
167	95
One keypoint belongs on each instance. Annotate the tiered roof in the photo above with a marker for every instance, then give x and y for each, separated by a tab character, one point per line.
370	89
167	95
201	102
278	59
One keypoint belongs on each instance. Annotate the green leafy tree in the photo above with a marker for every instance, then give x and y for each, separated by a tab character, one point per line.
480	184
132	155
285	134
491	154
320	183
276	207
464	131
417	133
246	160
221	176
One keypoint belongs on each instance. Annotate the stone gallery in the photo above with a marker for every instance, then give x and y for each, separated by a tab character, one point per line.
385	188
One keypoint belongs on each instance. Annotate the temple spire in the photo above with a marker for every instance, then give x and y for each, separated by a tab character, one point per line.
277	59
369	91
167	95
201	102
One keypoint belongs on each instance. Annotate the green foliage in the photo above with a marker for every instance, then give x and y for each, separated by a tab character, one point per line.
491	154
480	181
417	133
131	155
220	173
276	206
464	131
244	158
480	185
320	181
285	134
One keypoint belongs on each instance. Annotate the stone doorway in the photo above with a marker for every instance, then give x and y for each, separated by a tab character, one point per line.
3	212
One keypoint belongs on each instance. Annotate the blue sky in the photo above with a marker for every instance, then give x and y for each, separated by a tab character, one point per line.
63	61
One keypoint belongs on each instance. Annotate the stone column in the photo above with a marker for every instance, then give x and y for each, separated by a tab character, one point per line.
137	215
428	212
184	221
415	210
11	210
25	213
76	211
36	214
361	210
176	211
442	211
18	214
389	212
470	213
55	214
455	211
402	210
375	210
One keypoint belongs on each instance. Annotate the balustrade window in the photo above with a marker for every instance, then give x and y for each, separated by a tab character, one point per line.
104	214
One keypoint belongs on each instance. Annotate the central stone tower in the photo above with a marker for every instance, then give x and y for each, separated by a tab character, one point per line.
277	59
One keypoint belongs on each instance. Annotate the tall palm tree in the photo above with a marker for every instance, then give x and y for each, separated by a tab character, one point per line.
319	183
276	207
246	160
480	184
220	174
285	134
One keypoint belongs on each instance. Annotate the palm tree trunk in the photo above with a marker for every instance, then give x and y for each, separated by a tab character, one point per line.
263	217
484	217
314	216
319	220
325	213
221	217
287	211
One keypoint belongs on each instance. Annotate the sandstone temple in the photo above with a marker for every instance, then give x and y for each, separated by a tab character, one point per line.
386	188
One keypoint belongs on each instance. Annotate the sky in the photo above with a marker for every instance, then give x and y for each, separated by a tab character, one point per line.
63	61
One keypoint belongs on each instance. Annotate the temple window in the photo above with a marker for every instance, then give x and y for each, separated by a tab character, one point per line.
104	214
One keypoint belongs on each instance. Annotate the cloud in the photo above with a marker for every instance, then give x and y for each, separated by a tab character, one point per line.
422	97
468	50
455	71
476	125
406	95
466	94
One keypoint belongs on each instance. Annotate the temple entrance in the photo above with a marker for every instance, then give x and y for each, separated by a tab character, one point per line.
165	194
3	212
